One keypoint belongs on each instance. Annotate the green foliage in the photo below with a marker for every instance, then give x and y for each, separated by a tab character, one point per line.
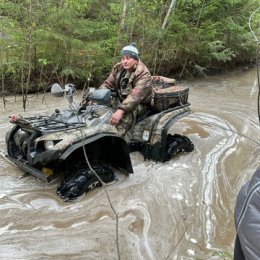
218	254
222	255
73	39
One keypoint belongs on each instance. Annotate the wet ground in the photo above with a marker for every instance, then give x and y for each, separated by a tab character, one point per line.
181	209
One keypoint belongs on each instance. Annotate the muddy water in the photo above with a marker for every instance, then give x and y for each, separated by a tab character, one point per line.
182	209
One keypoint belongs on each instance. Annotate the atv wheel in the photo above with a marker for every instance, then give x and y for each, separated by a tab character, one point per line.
178	143
84	180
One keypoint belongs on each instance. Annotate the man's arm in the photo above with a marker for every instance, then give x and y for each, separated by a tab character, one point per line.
110	82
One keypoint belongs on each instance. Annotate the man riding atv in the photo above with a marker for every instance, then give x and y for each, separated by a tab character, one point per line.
58	144
130	80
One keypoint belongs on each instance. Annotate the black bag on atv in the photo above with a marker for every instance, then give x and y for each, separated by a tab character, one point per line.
169	97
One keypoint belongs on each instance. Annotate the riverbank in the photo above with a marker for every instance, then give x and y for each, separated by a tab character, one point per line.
11	89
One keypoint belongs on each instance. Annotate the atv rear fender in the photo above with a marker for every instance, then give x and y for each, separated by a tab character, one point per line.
155	146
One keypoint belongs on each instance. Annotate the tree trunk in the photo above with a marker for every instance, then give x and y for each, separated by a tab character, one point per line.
123	15
30	46
3	85
131	33
121	28
170	9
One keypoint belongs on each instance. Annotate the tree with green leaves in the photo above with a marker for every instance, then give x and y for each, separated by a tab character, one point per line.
75	40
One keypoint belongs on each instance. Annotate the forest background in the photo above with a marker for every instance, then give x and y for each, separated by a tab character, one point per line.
78	41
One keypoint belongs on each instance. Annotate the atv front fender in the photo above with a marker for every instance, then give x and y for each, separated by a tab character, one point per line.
107	148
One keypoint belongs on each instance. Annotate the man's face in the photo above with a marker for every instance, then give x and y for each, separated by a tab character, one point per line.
128	62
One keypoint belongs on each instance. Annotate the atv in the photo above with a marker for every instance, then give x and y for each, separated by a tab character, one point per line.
80	144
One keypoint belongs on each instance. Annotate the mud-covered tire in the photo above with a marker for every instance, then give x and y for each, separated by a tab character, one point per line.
178	143
84	180
187	145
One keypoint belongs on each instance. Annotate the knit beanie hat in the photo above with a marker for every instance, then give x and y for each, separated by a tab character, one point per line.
131	51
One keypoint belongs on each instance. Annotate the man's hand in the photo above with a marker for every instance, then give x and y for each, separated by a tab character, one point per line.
116	117
83	102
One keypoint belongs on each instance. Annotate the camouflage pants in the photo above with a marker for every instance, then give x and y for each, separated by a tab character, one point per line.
128	120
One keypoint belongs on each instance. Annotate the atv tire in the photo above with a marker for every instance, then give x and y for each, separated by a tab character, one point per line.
84	180
178	143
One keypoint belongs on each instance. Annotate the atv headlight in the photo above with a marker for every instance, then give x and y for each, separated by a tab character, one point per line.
48	145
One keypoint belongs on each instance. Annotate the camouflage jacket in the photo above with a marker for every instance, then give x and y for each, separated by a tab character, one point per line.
133	88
